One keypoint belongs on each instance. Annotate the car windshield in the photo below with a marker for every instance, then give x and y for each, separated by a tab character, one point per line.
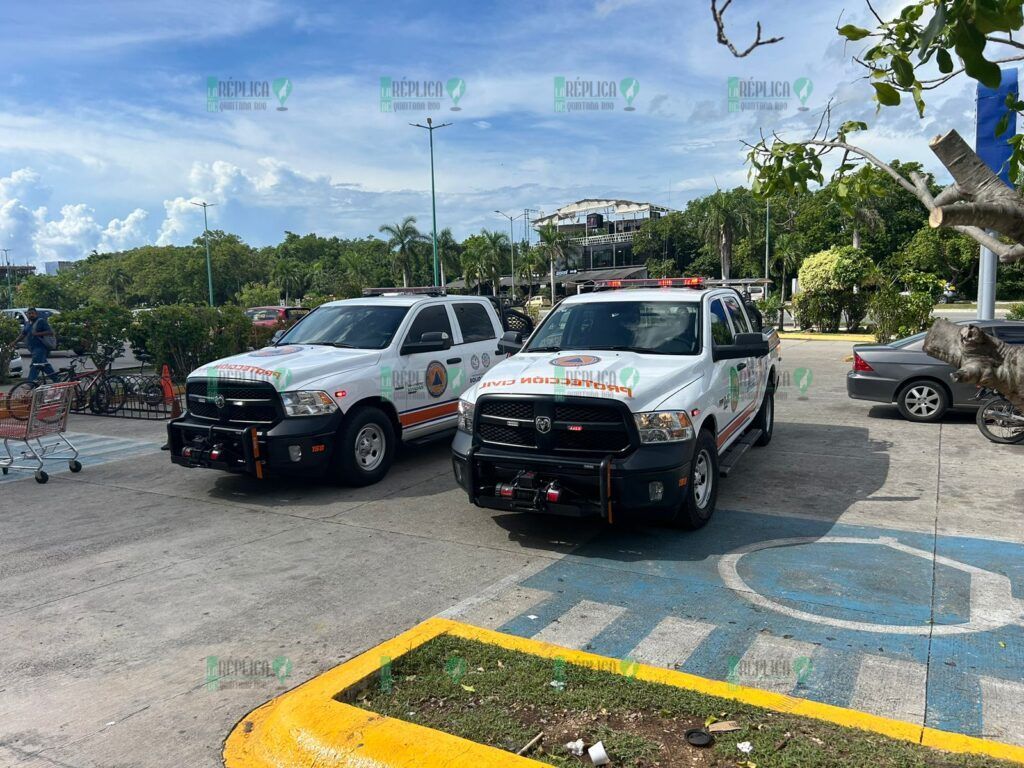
354	325
655	327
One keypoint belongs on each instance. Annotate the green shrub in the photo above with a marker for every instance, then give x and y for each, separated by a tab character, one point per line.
185	337
771	311
97	331
258	295
1016	312
9	331
833	285
896	316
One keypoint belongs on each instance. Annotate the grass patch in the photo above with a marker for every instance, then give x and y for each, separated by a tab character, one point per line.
504	698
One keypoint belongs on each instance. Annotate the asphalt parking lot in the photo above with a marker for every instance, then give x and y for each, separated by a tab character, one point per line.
859	560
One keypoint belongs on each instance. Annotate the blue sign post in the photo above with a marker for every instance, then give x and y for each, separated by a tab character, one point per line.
995	151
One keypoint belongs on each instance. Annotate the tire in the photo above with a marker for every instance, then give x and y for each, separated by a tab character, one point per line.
994	412
365	449
698	507
765	419
75	466
41	477
923	401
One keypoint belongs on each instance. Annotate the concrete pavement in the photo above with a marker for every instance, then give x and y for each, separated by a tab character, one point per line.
120	584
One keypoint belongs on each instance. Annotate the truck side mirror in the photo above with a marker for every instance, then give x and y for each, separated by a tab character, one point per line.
510	343
744	345
431	341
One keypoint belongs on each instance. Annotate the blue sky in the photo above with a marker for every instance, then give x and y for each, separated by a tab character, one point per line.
105	135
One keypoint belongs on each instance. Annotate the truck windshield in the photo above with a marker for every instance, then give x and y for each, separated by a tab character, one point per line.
654	327
354	325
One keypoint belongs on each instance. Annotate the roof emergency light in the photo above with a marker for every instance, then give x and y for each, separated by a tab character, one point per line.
426	290
661	282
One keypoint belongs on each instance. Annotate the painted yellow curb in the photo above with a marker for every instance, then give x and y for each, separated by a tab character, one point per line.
307	728
855	338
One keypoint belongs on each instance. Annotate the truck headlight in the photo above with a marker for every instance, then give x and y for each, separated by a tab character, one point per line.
466	410
308	403
663	426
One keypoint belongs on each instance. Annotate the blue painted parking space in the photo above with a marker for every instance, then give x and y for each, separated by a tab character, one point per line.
93	451
908	625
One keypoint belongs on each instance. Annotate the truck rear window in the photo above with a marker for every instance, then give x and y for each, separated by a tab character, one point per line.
655	327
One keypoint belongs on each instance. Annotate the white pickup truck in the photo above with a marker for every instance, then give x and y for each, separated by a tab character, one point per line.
338	390
624	404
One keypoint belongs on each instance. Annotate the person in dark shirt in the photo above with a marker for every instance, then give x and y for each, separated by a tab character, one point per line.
35	332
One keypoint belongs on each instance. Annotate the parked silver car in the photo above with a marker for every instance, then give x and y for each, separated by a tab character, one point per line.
917	383
15	367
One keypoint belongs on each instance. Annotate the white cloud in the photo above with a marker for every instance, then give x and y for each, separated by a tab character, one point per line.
122	234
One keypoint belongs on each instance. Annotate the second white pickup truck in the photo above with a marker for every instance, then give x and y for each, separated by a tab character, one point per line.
624	404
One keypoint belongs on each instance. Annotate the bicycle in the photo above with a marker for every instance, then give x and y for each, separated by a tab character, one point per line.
998	419
93	390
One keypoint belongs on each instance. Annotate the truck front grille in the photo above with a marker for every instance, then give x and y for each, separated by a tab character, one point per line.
577	426
233	402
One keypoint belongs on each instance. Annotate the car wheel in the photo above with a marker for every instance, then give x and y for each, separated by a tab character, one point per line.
923	401
765	419
365	449
701	485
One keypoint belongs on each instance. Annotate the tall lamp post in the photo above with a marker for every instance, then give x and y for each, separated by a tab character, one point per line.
206	236
430	127
511	247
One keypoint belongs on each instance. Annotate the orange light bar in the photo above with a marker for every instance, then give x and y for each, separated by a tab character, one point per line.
662	282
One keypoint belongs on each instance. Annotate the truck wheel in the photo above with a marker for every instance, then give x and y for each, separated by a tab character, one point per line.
765	419
701	486
365	449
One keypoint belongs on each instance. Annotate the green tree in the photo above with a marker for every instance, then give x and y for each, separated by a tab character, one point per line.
45	291
9	331
946	254
554	248
97	331
118	281
258	295
402	238
728	215
495	250
289	274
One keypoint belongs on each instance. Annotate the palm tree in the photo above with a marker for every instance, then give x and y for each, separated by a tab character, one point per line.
528	264
727	218
448	252
496	244
118	281
555	247
288	275
472	268
401	242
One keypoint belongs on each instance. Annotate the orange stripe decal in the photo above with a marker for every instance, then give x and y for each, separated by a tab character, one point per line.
735	424
418	417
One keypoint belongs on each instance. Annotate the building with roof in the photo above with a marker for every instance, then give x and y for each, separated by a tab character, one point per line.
601	231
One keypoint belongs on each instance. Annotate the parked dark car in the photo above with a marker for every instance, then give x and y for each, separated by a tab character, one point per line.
917	383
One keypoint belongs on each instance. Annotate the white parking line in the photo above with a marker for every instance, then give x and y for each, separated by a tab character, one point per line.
671	642
1001	703
493	614
891	688
580	624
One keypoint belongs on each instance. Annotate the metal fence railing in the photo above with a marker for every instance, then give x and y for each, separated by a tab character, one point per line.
132	396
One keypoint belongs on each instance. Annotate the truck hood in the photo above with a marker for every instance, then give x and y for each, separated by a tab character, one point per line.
641	381
292	366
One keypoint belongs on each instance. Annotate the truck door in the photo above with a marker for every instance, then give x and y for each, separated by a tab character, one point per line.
423	392
754	375
730	404
478	340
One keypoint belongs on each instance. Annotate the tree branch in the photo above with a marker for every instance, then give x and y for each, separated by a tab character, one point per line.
717	14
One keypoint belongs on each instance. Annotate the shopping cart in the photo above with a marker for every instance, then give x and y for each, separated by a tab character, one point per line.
32	416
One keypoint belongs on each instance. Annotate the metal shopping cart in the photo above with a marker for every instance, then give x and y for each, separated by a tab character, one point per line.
32	416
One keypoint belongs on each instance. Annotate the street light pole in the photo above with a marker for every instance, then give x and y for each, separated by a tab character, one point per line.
511	246
206	236
430	127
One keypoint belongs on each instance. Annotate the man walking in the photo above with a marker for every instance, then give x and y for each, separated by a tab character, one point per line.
40	339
